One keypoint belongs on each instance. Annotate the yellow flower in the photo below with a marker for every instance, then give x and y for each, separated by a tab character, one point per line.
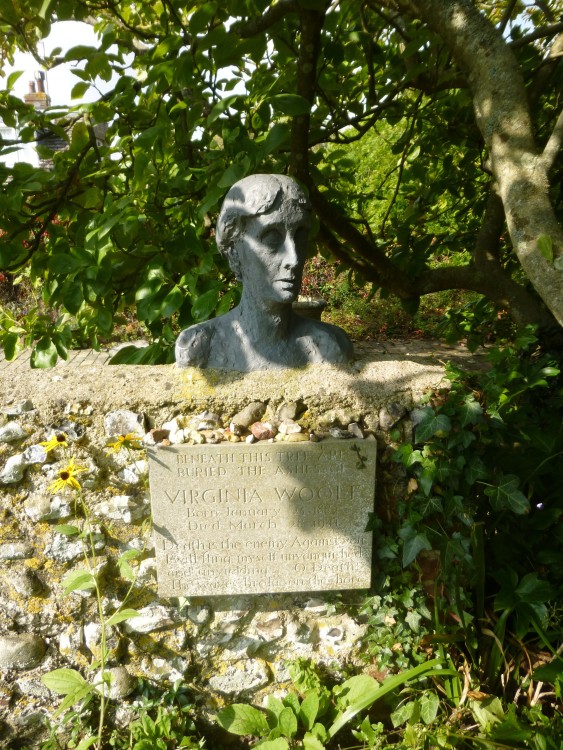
67	477
129	441
57	440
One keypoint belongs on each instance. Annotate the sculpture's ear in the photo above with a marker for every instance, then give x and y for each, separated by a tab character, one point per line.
234	262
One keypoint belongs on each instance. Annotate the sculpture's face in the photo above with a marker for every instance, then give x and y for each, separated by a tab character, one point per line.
272	253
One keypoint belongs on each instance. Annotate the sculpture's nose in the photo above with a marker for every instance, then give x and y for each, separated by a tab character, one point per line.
291	255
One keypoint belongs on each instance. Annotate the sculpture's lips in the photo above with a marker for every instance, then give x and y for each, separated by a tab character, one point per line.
287	281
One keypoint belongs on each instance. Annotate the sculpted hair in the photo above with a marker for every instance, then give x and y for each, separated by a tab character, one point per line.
253	196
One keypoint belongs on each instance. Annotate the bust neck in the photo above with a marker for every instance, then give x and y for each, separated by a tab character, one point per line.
264	321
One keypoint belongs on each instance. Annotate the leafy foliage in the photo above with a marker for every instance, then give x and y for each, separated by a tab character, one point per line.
360	103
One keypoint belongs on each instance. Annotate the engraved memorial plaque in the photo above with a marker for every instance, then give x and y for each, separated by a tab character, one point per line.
234	518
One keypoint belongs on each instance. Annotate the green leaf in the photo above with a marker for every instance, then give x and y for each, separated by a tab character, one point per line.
545	246
66	529
243	719
10	344
309	709
354	690
487	712
278	744
275	138
73	698
64	681
292	701
432	424
79	89
310	742
88	742
204	305
73	296
44	8
430	668
533	590
172	302
12	78
404	713
44	354
506	495
429	705
121	615
78	580
232	174
471	412
290	104
475	471
549	672
287	723
413	543
222	106
274	706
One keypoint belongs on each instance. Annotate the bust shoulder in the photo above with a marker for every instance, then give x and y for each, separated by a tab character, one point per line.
329	342
193	345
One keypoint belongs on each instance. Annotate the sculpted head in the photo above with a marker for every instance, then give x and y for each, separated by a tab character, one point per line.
251	206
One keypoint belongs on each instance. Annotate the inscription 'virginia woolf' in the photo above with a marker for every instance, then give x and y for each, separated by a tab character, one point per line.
264	518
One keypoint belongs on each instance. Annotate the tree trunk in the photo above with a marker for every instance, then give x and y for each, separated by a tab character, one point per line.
502	114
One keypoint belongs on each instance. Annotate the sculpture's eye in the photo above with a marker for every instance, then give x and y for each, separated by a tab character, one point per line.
273	238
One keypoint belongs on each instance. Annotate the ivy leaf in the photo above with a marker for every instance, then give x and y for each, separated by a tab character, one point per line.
413	544
243	719
404	713
413	619
475	471
429	705
432	424
471	412
506	495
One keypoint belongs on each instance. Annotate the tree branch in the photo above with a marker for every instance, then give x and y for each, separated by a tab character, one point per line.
309	45
509	10
377	266
553	146
488	238
545	71
273	14
503	117
543	31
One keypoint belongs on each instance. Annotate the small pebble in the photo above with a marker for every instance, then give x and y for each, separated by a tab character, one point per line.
20	407
289	427
11	432
263	430
355	430
296	437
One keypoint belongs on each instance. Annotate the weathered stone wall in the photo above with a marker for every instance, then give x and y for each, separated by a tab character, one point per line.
225	647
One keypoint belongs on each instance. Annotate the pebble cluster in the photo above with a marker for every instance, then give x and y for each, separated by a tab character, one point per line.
247	426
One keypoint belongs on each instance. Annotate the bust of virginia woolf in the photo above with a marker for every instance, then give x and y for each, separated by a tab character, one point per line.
263	230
